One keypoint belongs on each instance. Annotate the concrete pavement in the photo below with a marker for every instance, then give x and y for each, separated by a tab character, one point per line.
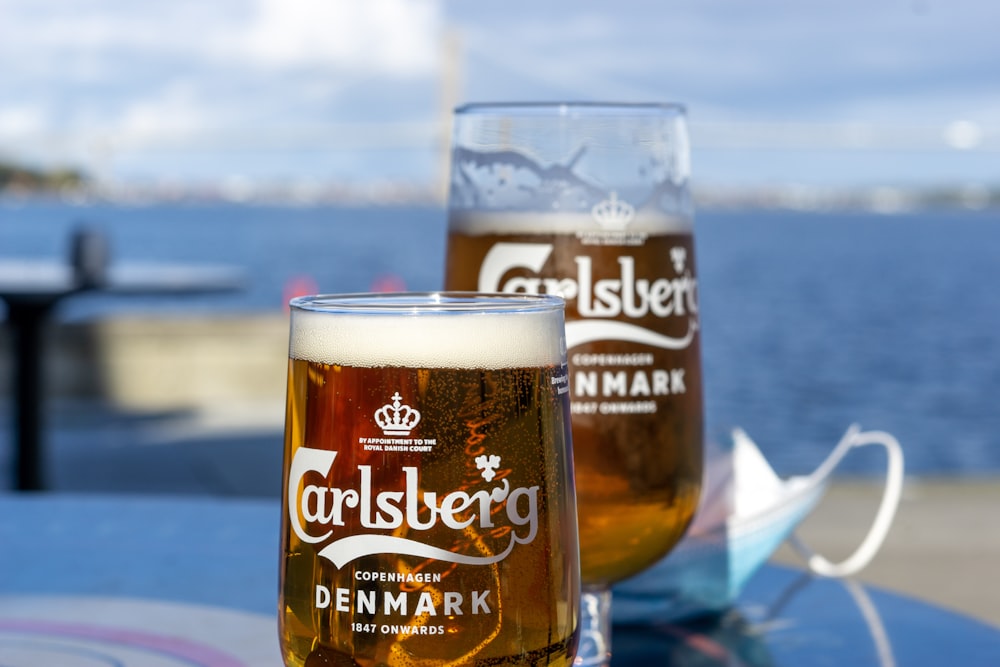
944	545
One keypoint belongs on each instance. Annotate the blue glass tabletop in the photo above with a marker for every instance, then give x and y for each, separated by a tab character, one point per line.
81	572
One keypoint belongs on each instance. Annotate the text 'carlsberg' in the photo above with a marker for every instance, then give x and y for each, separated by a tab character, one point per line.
610	297
320	508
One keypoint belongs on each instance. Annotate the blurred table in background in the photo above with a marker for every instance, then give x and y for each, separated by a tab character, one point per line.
33	289
141	581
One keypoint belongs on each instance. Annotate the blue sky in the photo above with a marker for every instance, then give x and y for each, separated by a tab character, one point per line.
858	92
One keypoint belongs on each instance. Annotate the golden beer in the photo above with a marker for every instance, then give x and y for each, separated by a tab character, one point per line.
634	357
428	504
590	202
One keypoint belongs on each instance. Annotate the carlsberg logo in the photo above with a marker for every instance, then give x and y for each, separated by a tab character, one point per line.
315	514
612	297
601	303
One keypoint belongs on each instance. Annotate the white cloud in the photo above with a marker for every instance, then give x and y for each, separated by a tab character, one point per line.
175	110
770	59
378	36
963	134
21	119
219	77
134	73
396	37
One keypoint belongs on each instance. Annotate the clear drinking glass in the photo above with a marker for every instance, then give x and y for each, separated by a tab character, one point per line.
428	513
591	202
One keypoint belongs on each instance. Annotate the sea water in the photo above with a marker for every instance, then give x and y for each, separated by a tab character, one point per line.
810	320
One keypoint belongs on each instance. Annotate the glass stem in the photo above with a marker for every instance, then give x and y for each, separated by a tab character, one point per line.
595	627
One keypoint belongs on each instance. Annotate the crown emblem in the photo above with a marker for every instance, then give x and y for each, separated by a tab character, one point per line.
613	213
395	418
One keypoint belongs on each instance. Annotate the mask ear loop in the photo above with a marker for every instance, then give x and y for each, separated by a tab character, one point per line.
886	511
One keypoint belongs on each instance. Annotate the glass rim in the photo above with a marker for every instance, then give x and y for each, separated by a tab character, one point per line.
581	108
443	302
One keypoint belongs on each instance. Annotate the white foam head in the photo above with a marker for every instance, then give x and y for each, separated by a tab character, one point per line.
415	331
534	222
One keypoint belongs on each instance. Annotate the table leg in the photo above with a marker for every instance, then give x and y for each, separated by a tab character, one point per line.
27	325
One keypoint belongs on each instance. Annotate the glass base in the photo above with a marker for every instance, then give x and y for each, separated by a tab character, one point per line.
595	628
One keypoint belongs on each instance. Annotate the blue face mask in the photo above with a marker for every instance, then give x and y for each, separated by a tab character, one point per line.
746	513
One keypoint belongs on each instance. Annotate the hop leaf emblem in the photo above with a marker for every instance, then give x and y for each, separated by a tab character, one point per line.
678	255
488	464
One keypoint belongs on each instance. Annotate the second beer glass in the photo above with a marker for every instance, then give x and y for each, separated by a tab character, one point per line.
591	202
428	506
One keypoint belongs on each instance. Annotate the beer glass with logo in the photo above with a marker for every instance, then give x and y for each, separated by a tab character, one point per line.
591	202
429	512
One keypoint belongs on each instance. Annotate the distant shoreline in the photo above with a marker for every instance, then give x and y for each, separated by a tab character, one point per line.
20	179
69	188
